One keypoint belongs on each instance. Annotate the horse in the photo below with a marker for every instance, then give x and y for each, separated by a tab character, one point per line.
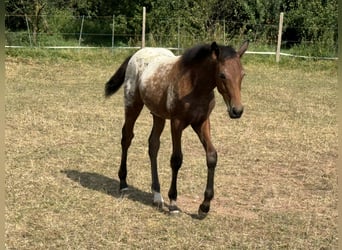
179	89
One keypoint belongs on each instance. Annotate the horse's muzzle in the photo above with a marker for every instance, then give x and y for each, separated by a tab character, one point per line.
235	112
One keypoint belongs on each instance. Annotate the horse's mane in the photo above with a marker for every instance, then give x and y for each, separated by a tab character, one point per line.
200	52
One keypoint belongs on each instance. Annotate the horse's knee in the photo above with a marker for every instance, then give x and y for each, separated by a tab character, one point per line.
176	161
212	159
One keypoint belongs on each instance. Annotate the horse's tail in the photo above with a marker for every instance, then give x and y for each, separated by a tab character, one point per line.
117	79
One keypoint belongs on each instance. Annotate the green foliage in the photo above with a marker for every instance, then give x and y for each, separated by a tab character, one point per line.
313	21
15	38
309	25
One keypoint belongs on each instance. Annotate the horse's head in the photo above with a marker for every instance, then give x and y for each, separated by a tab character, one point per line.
229	75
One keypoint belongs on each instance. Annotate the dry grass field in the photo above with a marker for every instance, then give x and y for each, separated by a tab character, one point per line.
276	179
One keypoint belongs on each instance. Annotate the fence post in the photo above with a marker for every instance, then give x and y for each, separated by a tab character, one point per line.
143	28
28	30
80	38
224	32
280	31
113	32
178	34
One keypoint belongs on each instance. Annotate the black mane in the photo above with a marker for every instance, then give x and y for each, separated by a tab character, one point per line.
200	52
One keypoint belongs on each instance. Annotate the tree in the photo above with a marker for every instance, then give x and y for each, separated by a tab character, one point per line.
311	20
32	11
196	20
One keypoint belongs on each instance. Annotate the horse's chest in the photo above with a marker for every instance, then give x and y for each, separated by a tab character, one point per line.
195	110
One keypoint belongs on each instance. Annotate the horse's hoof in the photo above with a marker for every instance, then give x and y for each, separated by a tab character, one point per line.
201	215
158	200
158	204
203	211
123	191
174	210
123	186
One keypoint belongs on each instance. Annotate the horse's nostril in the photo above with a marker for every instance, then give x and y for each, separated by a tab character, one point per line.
236	113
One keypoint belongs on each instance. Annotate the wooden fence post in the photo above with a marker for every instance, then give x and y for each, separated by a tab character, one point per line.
143	28
28	30
113	32
178	36
280	31
80	38
224	32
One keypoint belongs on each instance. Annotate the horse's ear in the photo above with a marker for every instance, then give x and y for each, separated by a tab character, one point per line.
215	50
243	48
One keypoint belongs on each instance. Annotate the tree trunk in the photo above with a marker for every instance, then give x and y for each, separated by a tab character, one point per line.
36	20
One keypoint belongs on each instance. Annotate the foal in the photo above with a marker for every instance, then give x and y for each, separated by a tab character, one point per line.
180	89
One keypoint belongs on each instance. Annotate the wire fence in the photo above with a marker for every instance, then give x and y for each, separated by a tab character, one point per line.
117	32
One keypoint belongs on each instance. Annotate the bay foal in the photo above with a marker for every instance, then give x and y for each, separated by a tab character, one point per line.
181	89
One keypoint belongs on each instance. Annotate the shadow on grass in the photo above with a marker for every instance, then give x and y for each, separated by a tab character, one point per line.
104	184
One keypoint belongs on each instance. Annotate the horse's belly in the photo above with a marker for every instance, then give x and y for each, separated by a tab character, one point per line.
154	97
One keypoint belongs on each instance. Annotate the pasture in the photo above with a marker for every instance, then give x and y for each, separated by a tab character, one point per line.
276	177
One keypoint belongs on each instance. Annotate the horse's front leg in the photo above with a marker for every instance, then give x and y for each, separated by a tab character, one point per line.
203	132
176	162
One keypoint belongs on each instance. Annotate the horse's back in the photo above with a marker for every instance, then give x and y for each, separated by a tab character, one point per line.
140	61
149	54
135	68
146	79
156	83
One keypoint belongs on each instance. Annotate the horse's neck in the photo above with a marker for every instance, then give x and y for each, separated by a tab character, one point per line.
204	78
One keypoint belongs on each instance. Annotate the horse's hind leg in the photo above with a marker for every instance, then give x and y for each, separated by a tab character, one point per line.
131	114
153	148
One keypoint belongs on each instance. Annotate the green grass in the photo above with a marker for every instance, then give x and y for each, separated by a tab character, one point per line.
276	179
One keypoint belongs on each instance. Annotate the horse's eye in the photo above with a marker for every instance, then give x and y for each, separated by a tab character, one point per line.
222	76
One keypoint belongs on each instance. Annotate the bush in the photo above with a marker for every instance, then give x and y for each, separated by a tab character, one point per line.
20	38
